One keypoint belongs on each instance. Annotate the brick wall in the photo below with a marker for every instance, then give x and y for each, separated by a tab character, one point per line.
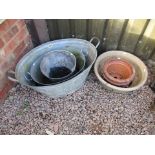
15	41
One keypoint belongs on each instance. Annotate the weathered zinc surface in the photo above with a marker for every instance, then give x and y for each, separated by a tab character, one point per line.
136	36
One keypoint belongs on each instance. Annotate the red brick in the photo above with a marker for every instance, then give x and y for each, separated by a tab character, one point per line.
16	42
11	46
6	62
19	49
8	35
14	29
3	27
5	90
3	65
24	51
20	55
22	34
11	22
20	23
1	43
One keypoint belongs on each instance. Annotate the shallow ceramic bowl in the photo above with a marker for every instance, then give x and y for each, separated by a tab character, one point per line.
141	72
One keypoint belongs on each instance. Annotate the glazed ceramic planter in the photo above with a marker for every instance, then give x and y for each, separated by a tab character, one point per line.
118	72
141	72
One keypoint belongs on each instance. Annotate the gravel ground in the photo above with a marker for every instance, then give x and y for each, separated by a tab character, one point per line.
90	110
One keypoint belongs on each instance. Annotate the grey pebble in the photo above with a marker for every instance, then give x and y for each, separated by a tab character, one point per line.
90	110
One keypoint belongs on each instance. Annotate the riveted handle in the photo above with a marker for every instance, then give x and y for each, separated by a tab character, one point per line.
11	78
95	38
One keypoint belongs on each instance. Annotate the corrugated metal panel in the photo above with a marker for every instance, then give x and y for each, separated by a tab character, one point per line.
131	35
80	28
146	45
113	34
96	28
53	29
135	35
63	28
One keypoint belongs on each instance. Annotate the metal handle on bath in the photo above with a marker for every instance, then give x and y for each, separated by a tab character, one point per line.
11	78
95	38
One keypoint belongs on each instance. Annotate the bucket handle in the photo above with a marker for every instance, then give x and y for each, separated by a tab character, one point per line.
98	41
11	78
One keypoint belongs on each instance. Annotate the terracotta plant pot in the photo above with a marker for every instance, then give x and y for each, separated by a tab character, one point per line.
118	72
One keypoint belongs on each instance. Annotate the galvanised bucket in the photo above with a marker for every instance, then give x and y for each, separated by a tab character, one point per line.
66	87
58	58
